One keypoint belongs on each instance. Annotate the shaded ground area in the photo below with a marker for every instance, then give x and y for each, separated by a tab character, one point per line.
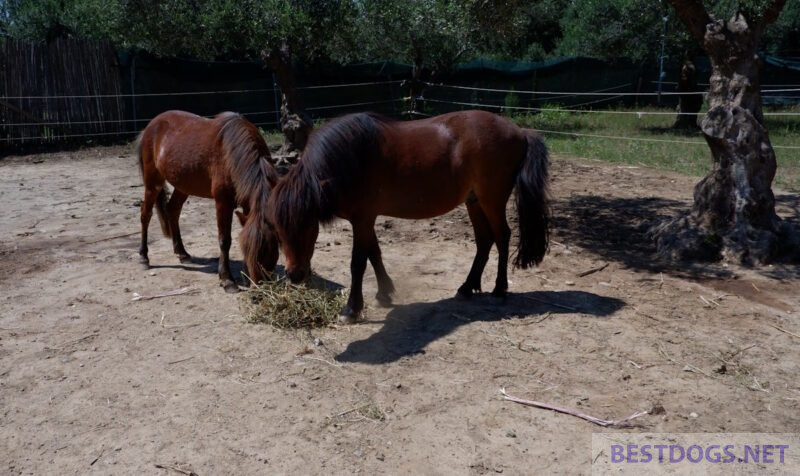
93	382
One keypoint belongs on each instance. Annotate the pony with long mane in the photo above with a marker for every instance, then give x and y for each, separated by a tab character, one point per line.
224	158
363	165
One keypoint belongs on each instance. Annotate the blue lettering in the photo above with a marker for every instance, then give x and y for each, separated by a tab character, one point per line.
730	456
672	458
749	452
646	455
660	452
699	454
782	447
632	454
714	457
766	454
616	454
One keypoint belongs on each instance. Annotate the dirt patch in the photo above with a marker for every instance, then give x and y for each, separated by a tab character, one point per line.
91	381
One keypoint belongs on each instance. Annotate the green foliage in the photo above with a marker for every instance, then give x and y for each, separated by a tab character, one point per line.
47	19
783	36
526	31
430	33
633	28
621	28
205	29
433	33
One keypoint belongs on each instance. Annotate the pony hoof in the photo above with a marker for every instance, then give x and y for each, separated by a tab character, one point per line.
500	295
230	287
385	300
185	259
144	263
348	316
465	292
345	319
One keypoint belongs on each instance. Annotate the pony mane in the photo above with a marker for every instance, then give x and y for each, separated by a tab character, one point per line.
332	161
253	176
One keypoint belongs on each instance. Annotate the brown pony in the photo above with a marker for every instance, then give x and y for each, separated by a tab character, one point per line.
363	165
224	158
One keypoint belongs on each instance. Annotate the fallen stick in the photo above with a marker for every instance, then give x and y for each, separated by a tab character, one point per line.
75	341
552	303
176	326
176	469
567	411
177	292
593	270
784	331
112	237
179	361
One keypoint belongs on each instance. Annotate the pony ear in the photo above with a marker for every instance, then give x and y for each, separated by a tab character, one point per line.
242	217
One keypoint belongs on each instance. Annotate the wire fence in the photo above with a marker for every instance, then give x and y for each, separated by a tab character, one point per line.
57	130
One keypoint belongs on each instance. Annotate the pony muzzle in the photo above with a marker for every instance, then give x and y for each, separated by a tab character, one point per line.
298	275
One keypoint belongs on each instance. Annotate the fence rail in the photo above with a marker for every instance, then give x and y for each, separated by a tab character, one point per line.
73	90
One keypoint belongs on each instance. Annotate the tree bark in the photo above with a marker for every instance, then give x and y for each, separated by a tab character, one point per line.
296	125
689	104
733	215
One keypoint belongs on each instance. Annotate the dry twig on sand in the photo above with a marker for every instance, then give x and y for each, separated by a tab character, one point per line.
188	472
593	270
177	292
597	421
784	331
109	238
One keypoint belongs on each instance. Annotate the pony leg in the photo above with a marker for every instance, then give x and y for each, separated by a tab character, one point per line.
362	233
224	221
174	207
385	284
150	196
484	239
502	236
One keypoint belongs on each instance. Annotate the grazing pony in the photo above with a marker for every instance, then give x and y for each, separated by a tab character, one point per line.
363	165
224	158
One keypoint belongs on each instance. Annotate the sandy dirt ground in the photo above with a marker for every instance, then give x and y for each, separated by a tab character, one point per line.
93	382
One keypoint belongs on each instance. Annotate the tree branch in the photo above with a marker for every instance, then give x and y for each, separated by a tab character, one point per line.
694	15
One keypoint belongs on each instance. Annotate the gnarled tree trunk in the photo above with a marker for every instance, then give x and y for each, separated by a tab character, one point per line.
296	125
733	215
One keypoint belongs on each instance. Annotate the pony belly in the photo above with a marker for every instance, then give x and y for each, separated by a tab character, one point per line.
417	205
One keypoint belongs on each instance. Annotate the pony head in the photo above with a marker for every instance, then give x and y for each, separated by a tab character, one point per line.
294	212
310	193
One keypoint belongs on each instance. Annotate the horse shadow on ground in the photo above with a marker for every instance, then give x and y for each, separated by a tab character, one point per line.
201	265
408	329
616	229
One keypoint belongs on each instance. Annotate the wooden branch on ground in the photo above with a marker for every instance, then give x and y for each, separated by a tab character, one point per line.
568	411
187	472
177	292
593	270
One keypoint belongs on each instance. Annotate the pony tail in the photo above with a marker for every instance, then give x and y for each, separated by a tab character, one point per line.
161	211
533	206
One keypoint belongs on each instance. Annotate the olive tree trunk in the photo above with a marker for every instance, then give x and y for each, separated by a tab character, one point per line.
733	215
296	125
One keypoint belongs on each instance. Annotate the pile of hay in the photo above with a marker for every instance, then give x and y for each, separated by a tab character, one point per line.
290	306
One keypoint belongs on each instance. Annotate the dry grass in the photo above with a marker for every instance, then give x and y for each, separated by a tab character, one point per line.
290	306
